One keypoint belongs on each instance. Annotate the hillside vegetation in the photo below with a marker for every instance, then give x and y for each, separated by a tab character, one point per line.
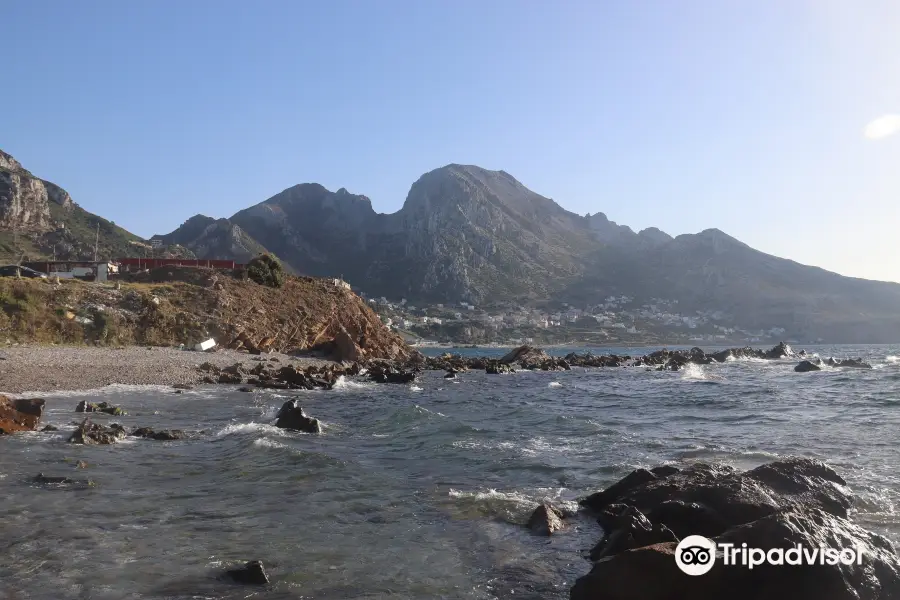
185	306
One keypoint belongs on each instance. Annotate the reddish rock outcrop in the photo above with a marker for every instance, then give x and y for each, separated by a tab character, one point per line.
20	415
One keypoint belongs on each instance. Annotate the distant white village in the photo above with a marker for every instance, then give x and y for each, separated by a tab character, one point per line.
615	318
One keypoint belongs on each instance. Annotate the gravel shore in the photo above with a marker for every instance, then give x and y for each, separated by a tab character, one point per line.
45	368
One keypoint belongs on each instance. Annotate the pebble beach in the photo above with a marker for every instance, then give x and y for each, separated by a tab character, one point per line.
33	368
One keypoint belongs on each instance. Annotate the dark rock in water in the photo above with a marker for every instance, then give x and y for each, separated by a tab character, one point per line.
450	375
50	428
598	501
251	573
183	386
782	350
632	530
807	366
162	436
292	416
852	363
664	471
777	505
737	497
85	406
688	518
41	478
545	520
651	573
388	373
93	433
498	368
20	414
245	389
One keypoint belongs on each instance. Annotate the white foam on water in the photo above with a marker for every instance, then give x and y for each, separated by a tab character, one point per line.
343	383
484	445
268	443
892	359
554	384
425	411
692	371
515	497
521	499
242	428
415	388
115	388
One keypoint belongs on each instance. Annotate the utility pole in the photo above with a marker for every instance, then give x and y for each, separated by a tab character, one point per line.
96	241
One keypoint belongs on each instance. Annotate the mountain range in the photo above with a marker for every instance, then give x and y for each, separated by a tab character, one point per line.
467	234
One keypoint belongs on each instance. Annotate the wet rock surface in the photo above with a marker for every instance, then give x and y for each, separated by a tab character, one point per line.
162	436
89	433
20	414
546	520
291	416
104	407
777	505
252	573
807	366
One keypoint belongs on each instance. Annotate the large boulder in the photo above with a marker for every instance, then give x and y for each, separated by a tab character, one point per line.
291	416
777	505
651	572
346	348
782	350
20	414
89	433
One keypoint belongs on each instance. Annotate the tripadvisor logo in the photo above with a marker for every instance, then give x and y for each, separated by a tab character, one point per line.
696	555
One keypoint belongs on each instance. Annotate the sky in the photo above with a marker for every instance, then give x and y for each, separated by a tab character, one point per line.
776	121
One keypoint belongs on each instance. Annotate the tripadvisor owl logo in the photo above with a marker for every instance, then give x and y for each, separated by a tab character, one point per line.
695	555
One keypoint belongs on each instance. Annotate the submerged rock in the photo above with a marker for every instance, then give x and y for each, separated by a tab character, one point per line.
545	520
251	573
291	416
20	414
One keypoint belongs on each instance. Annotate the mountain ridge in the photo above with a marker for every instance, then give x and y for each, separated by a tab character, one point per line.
468	234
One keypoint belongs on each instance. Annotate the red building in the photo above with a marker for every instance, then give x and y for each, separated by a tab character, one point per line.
139	264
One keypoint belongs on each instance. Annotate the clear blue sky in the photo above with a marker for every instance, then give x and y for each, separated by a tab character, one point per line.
746	116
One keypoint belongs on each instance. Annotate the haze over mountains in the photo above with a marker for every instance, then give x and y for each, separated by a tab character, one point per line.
469	234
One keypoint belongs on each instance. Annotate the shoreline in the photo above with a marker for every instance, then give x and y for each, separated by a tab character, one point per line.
38	368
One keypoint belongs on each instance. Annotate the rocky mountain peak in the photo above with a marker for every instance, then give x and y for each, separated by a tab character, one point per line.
608	231
9	163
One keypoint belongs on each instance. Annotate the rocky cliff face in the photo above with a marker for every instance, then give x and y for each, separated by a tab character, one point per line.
39	219
25	199
464	233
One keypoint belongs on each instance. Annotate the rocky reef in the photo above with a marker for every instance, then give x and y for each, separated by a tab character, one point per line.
779	505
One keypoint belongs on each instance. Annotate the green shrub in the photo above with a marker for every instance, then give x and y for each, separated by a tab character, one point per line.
266	270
